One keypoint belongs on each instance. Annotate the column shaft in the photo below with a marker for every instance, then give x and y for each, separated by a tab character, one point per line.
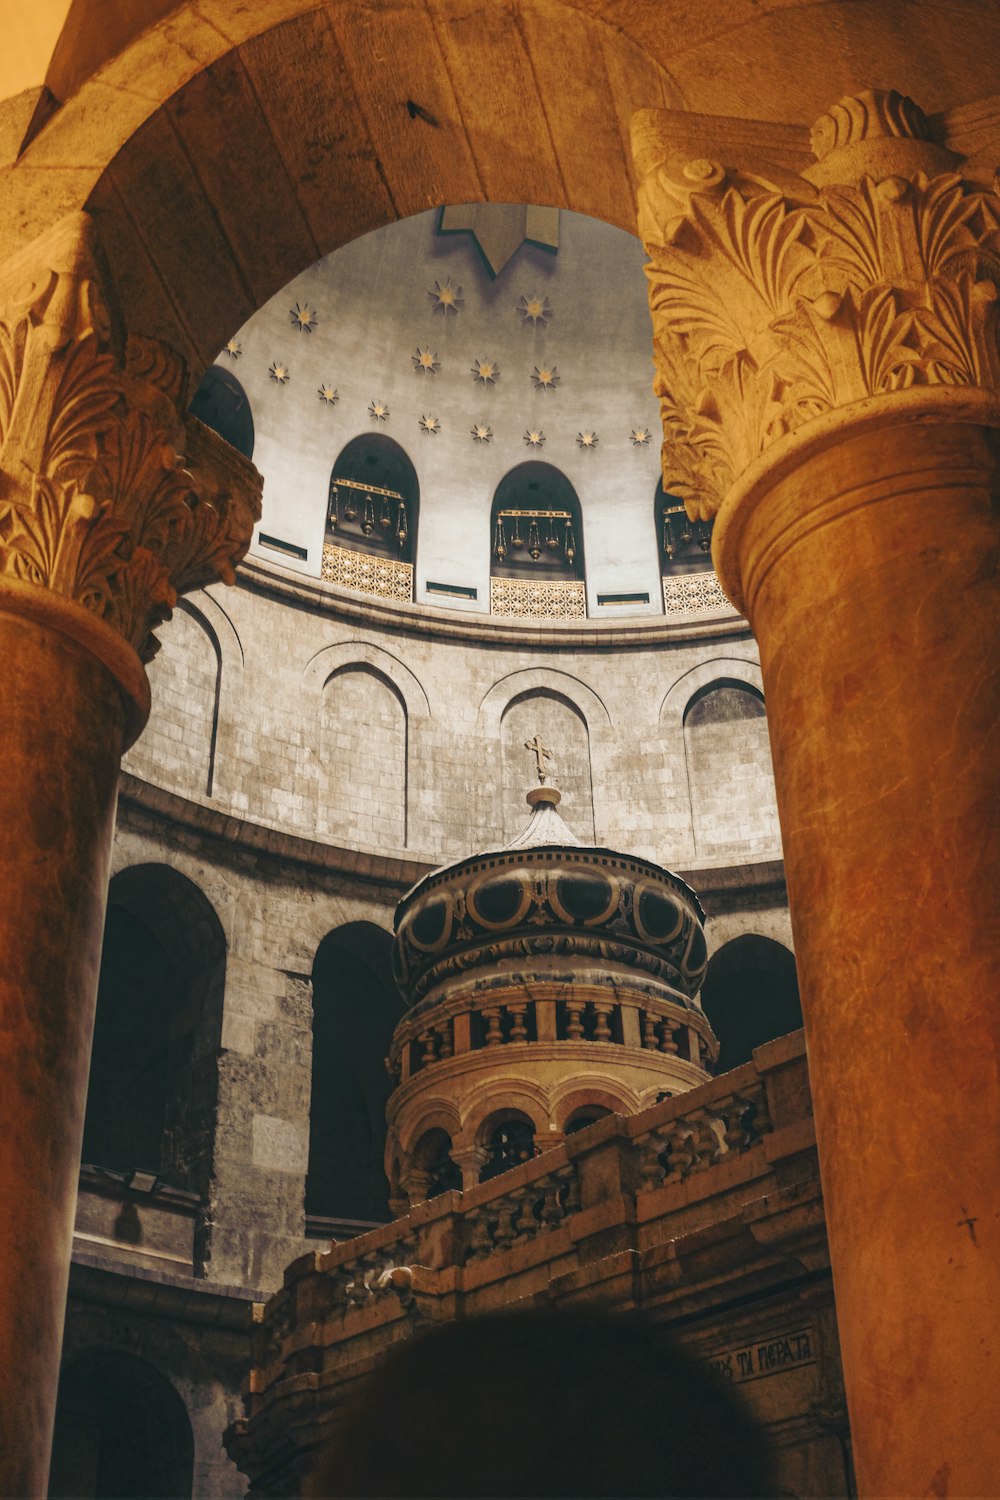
64	728
870	579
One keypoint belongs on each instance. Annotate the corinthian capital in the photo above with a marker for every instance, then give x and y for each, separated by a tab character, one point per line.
791	283
107	497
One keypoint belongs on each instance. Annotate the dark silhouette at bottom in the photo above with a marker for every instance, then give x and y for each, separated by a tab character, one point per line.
545	1404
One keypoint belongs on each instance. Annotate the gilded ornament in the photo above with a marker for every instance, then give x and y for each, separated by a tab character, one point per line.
303	317
545	378
278	372
587	439
534	437
430	424
485	371
640	437
234	349
328	395
424	362
379	410
534	309
482	432
446	298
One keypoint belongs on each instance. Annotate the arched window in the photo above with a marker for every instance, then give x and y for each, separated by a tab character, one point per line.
222	404
685	545
509	1142
536	558
750	996
153	1082
588	1114
371	518
431	1161
121	1429
355	1010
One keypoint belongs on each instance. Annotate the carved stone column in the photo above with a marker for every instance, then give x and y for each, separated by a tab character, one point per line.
825	330
101	526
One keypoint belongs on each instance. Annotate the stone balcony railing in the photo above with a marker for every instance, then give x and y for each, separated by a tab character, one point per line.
695	596
367	573
526	598
706	1201
470	1022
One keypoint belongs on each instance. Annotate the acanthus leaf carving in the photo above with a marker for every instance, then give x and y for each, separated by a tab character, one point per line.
773	306
96	503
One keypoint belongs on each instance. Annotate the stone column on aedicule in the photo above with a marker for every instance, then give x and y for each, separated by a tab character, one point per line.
825	329
101	526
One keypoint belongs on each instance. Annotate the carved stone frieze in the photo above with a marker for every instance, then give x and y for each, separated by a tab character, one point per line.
106	497
874	271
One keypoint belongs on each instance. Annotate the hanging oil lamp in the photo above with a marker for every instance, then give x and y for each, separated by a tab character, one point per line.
385	519
570	543
333	508
551	540
368	524
517	540
669	545
534	541
401	532
704	535
500	544
687	535
350	507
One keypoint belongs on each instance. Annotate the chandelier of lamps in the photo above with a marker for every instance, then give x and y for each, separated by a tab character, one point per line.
680	531
535	533
363	501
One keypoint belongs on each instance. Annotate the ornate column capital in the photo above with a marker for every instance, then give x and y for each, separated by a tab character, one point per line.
787	292
109	499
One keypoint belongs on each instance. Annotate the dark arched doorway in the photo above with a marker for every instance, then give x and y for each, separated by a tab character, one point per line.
355	1009
121	1430
750	996
152	1088
371	518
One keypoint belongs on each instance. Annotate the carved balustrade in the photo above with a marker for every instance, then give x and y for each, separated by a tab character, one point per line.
470	1023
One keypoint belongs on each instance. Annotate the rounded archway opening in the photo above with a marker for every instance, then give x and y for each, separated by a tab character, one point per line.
508	1140
750	996
685	545
373	499
536	527
121	1429
355	1009
431	1162
587	1114
153	1073
222	404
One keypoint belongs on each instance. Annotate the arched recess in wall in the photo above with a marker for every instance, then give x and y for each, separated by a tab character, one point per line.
222	404
121	1429
536	545
730	777
185	678
372	509
355	1009
153	1081
364	759
750	996
565	732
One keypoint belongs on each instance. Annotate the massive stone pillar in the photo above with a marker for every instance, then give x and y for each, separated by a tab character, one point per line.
825	330
101	526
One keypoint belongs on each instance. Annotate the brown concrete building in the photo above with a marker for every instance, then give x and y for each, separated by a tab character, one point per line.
290	351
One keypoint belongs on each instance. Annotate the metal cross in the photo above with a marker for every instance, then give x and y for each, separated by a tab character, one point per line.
541	755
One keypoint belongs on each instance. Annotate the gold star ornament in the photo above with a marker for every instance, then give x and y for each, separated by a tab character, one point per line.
234	348
278	372
534	437
446	298
379	410
430	424
424	362
546	378
328	395
303	317
485	371
482	432
587	438
535	309
640	436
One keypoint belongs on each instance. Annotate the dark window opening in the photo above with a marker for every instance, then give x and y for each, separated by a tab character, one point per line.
508	1145
222	404
685	545
750	996
535	526
372	499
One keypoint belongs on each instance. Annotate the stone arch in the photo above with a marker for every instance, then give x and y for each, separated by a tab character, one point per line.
750	996
727	752
373	458
521	1096
121	1428
586	1089
158	1030
186	683
687	686
327	661
533	679
563	728
355	1010
363	759
436	1114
